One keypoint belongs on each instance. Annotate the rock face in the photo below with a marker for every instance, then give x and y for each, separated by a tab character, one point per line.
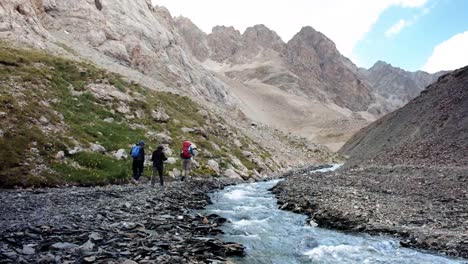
315	59
396	85
146	40
310	61
430	129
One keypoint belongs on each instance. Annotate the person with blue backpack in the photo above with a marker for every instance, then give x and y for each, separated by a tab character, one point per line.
138	154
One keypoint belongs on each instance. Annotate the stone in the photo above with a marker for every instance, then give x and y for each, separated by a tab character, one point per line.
28	250
63	246
75	150
121	154
187	130
230	173
128	261
171	160
109	120
203	113
163	138
60	155
237	143
160	115
123	109
247	154
43	120
90	259
168	151
97	148
214	165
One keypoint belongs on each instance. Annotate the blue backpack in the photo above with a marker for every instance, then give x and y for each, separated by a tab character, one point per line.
135	152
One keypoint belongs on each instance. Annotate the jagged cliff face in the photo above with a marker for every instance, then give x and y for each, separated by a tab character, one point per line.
322	69
396	85
127	35
308	65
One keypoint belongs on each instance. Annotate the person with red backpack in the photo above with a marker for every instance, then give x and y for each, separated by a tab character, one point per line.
187	152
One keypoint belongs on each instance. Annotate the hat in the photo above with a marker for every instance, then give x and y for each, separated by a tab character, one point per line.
141	142
161	146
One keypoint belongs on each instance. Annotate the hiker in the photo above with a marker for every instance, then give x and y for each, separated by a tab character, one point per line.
158	159
187	153
138	155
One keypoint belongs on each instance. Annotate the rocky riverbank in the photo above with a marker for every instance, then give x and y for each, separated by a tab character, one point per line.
428	210
112	224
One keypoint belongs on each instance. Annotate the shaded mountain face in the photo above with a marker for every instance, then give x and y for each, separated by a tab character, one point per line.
396	85
430	129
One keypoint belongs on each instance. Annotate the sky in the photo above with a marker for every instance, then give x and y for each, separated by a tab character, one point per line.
429	35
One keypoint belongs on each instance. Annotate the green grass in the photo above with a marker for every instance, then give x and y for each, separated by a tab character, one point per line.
35	84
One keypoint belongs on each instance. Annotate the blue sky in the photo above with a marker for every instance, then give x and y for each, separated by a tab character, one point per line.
410	48
412	34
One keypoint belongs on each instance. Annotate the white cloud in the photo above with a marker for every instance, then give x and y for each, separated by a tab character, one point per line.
345	22
449	55
396	28
402	23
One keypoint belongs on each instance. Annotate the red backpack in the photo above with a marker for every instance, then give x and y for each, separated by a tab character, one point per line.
185	153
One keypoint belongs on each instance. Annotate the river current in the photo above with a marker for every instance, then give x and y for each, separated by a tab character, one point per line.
275	236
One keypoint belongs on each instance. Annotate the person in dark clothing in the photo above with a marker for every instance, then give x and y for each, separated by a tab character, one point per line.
138	155
158	159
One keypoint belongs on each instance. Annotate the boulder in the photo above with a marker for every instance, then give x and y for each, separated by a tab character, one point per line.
230	173
168	151
121	154
201	132
203	113
109	120
97	148
159	115
75	150
187	130
247	154
237	143
213	164
43	120
171	160
163	138
60	155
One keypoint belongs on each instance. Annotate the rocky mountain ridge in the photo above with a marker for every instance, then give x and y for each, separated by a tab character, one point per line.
396	85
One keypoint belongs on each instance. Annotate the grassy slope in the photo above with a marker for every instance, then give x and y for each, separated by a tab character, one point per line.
34	84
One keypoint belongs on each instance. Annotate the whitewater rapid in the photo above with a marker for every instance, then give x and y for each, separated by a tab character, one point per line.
275	236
